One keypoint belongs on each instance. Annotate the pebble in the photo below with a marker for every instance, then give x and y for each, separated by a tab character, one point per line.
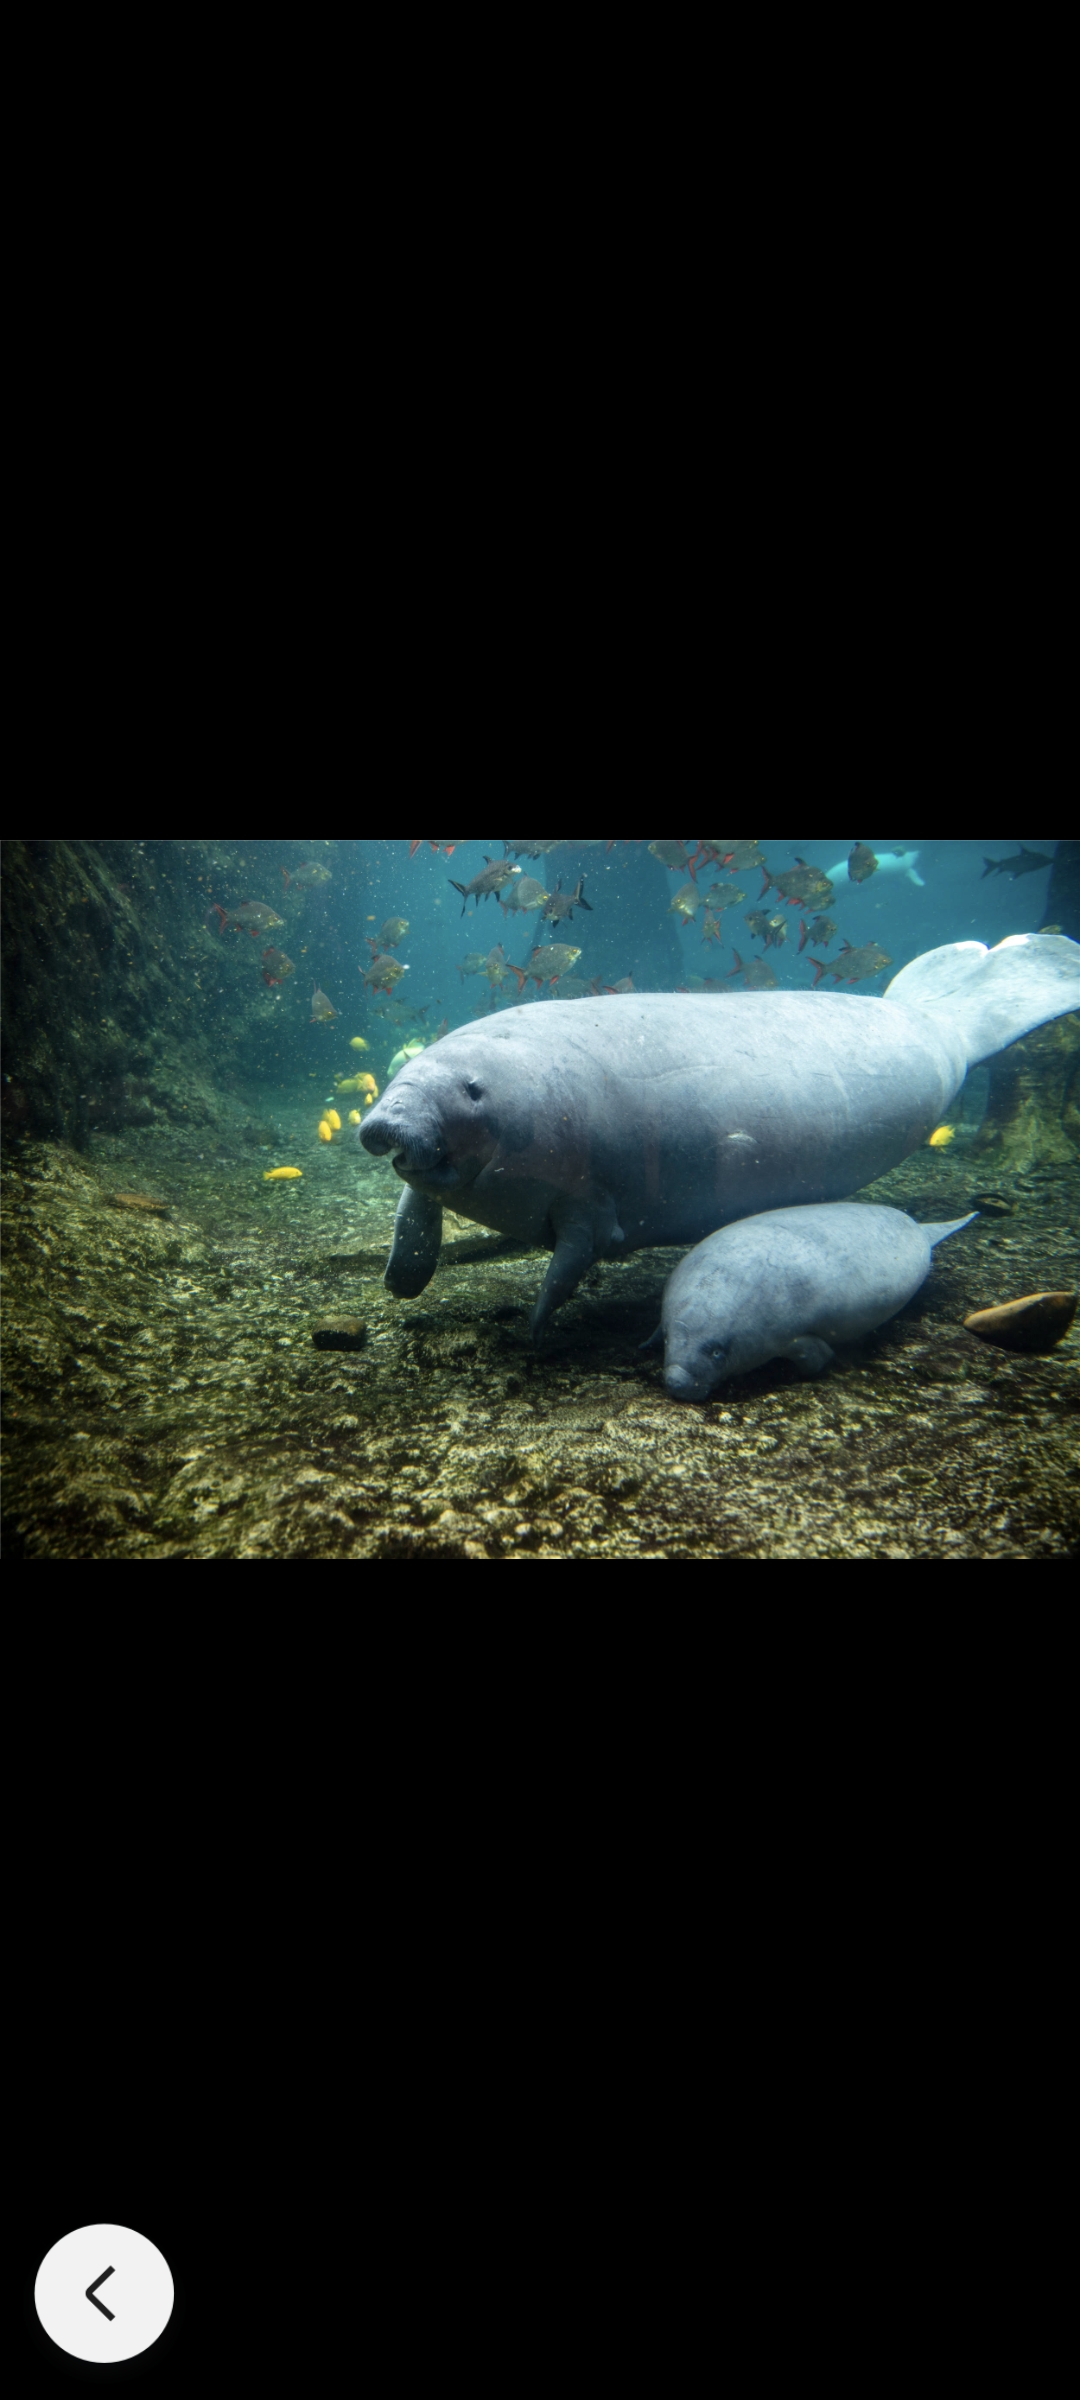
339	1333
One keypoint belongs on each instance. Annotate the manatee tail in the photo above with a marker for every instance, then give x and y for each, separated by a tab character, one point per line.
939	1233
993	997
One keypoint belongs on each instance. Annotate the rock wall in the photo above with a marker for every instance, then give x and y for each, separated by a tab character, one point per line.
120	1006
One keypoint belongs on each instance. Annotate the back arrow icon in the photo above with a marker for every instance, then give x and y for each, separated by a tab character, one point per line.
91	2289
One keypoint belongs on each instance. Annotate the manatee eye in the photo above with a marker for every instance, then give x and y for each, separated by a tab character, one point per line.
715	1349
474	1090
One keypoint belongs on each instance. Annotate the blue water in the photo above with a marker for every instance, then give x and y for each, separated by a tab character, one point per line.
629	929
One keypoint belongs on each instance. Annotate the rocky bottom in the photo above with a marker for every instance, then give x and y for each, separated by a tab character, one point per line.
164	1397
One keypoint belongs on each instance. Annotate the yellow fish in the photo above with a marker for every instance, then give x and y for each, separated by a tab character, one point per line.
325	1133
358	1042
282	1174
942	1136
332	1118
354	1116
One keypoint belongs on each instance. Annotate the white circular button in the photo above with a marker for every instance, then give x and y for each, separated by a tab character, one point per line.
104	2293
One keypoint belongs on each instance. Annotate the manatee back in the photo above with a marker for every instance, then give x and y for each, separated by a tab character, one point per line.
854	1264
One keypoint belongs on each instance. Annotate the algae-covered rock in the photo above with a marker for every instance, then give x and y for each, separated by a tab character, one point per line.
1033	1109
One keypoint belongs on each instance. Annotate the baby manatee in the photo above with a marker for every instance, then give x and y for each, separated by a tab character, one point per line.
788	1284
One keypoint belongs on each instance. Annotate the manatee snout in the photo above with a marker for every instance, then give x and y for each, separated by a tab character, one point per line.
680	1384
408	1134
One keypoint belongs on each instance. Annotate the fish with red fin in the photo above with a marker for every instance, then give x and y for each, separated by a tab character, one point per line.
822	930
254	917
852	966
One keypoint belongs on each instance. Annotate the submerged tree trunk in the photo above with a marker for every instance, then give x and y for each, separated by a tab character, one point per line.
1033	1110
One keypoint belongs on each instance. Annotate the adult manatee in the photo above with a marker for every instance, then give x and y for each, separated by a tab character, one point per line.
594	1130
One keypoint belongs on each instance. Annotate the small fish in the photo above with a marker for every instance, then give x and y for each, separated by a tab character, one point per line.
888	862
673	855
305	877
138	1202
321	1007
384	971
276	966
493	877
325	1131
1023	862
941	1137
626	984
1036	1322
253	916
574	987
471	963
861	863
355	1117
992	1204
396	1014
736	856
776	933
358	1042
447	848
401	1058
546	965
333	1119
282	1174
758	922
356	1083
560	904
806	885
822	930
526	893
686	903
215	919
495	965
393	932
850	966
759	975
443	1029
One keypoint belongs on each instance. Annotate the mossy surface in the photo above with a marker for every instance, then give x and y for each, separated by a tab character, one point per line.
164	1398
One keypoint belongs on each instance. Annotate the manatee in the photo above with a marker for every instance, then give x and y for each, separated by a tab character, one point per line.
594	1131
788	1284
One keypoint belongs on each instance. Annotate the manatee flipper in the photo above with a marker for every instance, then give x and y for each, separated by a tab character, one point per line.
575	1249
809	1355
414	1255
655	1340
